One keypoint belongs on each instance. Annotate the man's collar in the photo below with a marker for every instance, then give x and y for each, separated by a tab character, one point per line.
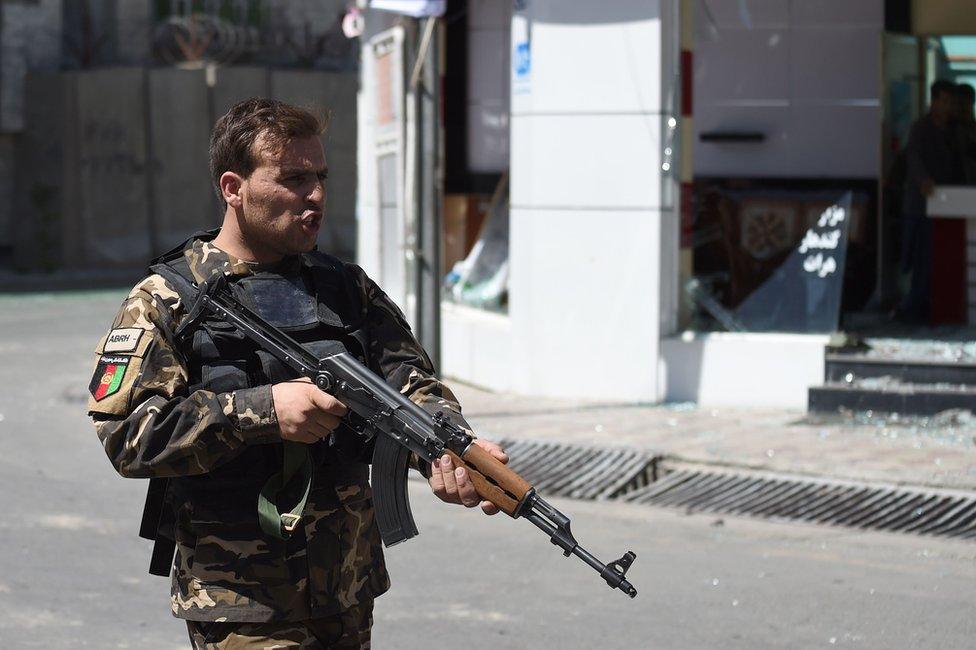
205	259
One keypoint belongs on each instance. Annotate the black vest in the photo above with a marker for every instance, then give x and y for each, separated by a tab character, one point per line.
318	302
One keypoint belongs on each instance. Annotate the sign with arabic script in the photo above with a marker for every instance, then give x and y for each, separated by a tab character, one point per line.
804	293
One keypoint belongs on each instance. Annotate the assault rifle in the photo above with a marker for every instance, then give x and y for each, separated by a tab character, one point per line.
404	427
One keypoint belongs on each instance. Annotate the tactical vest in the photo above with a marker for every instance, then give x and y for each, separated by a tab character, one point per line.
318	303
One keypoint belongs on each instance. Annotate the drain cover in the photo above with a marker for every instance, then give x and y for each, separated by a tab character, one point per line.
557	469
927	512
635	476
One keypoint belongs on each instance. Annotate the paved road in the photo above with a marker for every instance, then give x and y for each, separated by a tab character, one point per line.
72	571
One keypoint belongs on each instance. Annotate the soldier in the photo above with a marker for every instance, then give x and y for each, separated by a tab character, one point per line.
204	412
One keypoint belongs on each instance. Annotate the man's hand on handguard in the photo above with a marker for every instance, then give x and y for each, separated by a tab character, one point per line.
305	413
453	485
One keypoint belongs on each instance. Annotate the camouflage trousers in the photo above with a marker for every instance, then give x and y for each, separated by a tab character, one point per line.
348	630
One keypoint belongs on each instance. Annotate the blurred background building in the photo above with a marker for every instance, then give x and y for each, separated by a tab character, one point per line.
106	108
639	200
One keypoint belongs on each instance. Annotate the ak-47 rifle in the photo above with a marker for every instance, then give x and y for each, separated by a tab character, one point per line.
404	427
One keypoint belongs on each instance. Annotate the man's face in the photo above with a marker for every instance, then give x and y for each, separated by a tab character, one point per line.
943	105
283	199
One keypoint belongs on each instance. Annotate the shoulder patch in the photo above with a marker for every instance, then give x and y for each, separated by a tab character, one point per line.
123	339
109	372
116	372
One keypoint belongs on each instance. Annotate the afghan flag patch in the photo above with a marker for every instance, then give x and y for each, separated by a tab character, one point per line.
108	376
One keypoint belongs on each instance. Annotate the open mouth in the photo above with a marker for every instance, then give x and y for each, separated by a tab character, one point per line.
311	220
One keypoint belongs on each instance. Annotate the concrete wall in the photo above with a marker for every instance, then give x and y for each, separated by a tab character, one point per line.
42	178
30	39
133	29
8	169
110	224
588	218
183	200
477	347
115	171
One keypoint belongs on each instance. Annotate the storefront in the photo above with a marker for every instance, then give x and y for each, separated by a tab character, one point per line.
677	200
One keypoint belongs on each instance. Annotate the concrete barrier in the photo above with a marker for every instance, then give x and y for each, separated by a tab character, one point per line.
113	164
179	114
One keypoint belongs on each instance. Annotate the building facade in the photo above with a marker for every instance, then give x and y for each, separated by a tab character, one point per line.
652	170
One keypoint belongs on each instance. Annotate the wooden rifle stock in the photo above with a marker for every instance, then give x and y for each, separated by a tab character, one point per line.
493	479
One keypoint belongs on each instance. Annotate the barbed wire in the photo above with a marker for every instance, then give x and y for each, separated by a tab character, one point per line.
203	37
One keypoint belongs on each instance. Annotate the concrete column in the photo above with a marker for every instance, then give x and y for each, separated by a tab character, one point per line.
591	229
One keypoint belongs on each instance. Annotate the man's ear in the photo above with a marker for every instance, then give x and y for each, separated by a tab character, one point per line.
231	185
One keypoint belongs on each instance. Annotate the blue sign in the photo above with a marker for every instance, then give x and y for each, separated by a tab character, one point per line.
523	60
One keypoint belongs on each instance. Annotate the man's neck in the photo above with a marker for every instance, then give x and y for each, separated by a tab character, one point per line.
231	240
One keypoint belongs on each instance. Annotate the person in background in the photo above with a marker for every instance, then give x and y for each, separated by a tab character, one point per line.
932	159
965	129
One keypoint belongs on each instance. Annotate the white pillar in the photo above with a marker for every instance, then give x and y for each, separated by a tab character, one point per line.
589	219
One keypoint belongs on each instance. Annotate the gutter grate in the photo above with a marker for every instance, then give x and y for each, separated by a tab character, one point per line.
921	511
594	473
641	477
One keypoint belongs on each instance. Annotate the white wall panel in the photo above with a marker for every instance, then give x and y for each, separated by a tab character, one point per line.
477	346
742	158
853	148
742	64
841	65
583	302
741	13
586	161
795	144
837	13
587	67
811	85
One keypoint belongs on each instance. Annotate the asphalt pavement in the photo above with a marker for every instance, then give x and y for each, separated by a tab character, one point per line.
73	571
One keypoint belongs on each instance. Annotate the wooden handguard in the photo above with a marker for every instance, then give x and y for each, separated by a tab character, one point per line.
493	480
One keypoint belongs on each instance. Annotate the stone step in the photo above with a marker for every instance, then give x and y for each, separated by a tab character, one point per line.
850	368
893	397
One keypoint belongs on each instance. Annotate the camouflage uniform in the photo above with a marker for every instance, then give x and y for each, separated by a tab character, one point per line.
348	630
152	425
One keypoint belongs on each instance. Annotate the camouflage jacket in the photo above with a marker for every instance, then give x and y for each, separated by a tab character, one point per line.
152	425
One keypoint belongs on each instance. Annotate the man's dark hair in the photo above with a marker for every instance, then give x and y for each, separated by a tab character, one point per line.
940	87
234	134
966	93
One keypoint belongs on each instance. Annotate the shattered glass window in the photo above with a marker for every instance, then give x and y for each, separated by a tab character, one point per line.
780	262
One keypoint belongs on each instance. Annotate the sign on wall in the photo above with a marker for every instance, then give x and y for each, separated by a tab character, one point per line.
804	293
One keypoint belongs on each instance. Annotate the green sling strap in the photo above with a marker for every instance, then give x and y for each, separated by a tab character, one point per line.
296	465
